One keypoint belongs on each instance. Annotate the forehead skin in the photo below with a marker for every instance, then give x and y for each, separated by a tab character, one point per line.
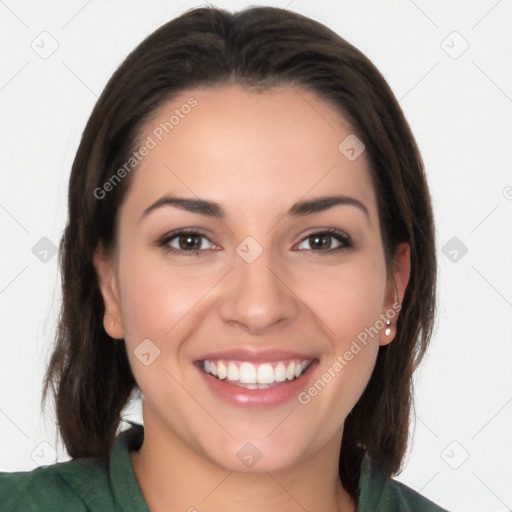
256	153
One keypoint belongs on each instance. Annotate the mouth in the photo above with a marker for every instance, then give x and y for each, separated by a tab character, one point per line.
256	379
248	375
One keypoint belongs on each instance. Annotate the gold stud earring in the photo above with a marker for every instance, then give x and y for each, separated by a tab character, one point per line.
387	332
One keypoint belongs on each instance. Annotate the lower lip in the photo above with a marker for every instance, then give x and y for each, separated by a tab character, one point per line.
270	397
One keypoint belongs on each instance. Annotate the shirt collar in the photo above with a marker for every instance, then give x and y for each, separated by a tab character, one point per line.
126	490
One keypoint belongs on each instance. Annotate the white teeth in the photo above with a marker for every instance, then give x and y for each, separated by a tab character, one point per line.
247	373
290	371
265	374
253	376
280	372
232	371
222	370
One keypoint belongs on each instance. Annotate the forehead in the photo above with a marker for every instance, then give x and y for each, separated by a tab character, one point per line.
248	149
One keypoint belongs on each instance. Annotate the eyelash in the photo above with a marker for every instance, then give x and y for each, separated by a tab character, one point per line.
340	236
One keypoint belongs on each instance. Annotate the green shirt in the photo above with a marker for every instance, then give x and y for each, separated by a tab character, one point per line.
89	485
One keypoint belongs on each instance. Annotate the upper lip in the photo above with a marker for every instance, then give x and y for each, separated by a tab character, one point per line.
255	355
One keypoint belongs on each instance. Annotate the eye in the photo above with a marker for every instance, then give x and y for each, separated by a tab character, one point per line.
186	242
192	243
329	240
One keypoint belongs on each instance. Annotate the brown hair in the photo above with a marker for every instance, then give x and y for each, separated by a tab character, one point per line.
89	373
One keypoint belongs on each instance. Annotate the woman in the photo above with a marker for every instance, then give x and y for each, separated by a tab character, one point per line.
250	245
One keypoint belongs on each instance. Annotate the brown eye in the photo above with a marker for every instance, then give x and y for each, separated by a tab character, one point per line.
186	242
189	241
320	241
325	241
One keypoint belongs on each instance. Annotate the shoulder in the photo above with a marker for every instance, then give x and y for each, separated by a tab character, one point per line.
400	497
378	493
65	483
79	485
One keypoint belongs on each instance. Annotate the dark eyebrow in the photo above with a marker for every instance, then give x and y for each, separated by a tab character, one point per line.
324	203
191	205
212	209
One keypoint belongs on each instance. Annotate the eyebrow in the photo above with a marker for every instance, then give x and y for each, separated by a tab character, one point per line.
211	209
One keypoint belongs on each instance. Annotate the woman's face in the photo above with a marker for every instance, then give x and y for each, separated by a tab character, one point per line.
270	279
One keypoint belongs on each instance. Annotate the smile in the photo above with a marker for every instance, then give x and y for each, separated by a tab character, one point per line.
255	376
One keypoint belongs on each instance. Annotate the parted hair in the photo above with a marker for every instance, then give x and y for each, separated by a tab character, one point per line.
89	375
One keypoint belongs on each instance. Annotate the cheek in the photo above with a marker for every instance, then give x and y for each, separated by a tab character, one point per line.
156	304
155	297
347	299
349	308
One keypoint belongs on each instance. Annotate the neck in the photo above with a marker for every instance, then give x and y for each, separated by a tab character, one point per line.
172	476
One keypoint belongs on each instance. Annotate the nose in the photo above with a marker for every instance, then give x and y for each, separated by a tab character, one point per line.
257	297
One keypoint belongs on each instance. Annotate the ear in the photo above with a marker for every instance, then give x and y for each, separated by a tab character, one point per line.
397	283
107	281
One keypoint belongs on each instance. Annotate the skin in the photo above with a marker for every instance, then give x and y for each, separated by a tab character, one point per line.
255	154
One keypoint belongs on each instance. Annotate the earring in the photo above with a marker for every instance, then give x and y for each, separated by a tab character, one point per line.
387	332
